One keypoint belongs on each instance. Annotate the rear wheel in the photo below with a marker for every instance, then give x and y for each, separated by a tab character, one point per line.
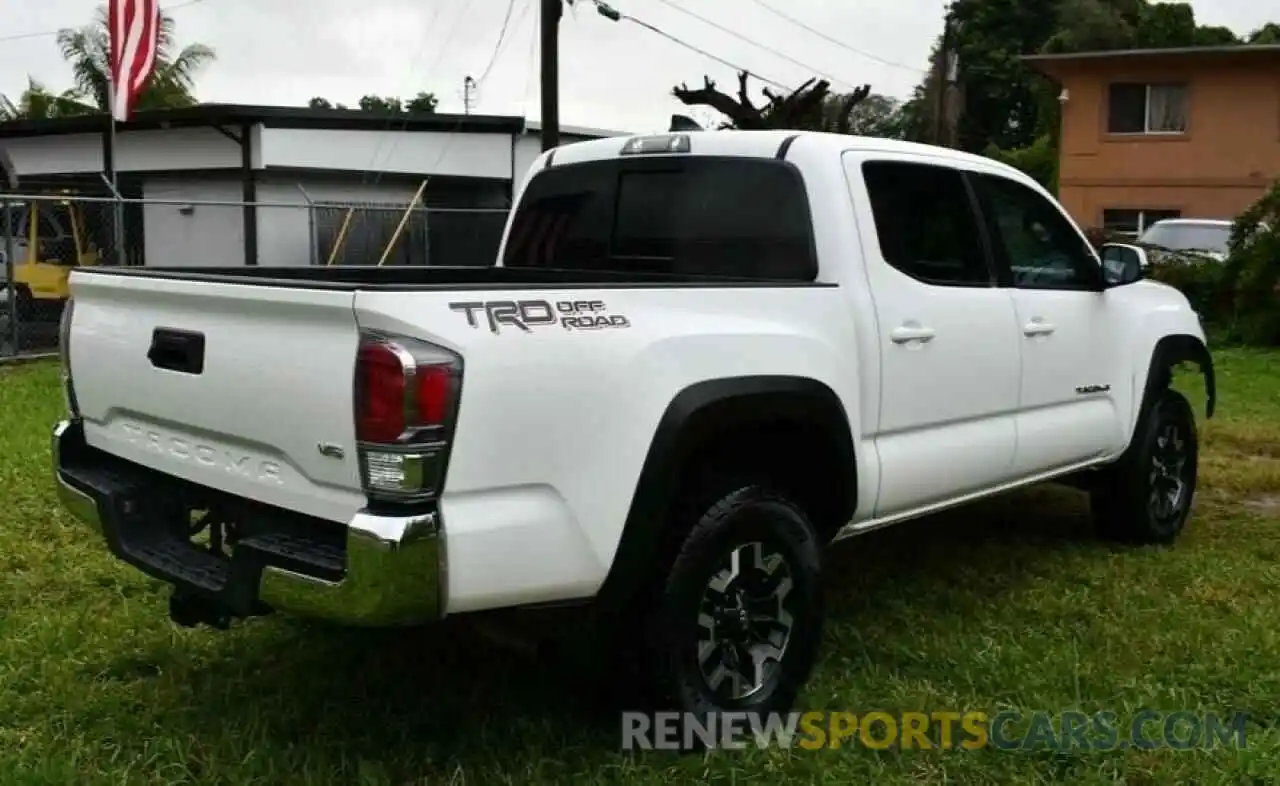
1146	497
739	618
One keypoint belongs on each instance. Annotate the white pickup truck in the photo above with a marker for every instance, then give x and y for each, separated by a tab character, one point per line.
700	359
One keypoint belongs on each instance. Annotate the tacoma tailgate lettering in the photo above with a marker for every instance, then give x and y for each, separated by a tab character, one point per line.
233	462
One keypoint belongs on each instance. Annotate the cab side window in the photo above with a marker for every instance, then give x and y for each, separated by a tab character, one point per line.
926	223
1038	243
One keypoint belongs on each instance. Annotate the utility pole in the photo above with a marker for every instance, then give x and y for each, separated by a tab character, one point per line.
468	89
940	81
551	10
955	96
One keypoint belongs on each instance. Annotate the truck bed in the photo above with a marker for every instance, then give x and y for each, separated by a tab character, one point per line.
401	278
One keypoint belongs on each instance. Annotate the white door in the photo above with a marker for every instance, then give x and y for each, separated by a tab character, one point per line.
1067	405
949	345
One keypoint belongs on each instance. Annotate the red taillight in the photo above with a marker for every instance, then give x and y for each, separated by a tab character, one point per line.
433	393
406	392
380	398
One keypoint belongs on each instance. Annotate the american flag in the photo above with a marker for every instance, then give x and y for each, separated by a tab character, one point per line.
135	29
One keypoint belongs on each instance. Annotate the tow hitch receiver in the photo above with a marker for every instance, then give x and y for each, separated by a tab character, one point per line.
190	610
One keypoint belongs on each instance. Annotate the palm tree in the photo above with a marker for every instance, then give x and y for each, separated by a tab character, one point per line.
86	49
37	102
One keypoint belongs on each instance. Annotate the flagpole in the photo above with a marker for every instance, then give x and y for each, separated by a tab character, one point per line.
117	216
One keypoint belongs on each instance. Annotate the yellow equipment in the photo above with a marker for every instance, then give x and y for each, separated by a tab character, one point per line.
49	240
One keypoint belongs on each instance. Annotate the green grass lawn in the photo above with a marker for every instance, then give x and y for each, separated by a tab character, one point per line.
1010	604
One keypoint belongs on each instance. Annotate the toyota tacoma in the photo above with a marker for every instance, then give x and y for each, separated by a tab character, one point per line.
697	360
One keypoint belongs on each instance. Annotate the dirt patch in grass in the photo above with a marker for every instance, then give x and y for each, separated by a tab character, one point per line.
1268	504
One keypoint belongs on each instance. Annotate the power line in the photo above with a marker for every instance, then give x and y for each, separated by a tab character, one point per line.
502	35
754	43
612	13
530	71
427	30
497	49
21	36
391	121
836	41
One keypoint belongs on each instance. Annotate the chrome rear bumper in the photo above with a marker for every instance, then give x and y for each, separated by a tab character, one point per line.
380	571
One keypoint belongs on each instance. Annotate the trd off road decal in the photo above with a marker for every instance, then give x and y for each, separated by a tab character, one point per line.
528	314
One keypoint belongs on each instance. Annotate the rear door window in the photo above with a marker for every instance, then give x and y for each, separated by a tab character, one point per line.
926	224
702	216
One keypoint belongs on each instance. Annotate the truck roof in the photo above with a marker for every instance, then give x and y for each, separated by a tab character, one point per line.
766	144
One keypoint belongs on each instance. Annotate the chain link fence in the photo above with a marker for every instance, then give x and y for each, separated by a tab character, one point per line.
44	236
362	234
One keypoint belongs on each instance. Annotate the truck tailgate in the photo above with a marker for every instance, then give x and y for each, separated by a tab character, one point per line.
241	387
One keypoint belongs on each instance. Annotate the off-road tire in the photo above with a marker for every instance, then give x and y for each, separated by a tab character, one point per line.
677	625
1127	501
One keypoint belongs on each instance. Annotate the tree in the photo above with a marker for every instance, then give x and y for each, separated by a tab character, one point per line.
388	105
1001	93
876	115
422	103
1165	25
806	107
1214	35
1090	24
916	113
1267	34
87	50
37	102
1006	103
1039	160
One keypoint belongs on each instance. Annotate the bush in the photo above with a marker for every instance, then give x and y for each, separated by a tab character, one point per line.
1039	160
1251	274
1238	299
1202	283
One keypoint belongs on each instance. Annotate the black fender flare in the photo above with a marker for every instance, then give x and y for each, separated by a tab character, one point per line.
1168	352
679	433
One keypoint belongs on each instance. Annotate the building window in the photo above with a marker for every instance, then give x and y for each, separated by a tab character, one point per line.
1147	109
1134	222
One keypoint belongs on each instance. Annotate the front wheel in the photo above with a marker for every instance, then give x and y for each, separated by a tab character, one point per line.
740	616
1146	497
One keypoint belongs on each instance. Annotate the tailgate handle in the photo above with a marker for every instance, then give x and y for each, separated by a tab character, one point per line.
177	350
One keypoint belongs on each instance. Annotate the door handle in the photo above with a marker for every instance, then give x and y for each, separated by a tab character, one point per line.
1038	327
906	333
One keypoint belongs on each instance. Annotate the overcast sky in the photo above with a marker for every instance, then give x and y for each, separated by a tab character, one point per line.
613	74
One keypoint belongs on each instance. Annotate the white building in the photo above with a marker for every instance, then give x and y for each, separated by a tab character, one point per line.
285	176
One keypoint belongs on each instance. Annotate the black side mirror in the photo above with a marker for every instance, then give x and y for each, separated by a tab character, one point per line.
1122	264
